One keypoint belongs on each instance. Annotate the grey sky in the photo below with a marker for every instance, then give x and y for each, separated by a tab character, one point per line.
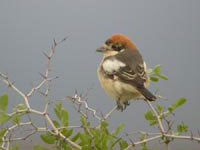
166	32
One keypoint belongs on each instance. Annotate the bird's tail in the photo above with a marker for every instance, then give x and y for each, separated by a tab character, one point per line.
147	94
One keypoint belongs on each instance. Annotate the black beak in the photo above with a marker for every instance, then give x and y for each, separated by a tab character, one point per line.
101	49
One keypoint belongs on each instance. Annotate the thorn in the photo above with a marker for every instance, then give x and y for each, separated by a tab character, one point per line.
102	115
43	76
132	143
191	135
76	92
46	55
54	42
42	93
198	132
64	39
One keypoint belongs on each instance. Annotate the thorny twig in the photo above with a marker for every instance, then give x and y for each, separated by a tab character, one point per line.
6	139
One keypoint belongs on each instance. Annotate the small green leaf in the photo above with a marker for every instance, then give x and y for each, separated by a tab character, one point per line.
123	144
57	111
157	69
182	127
67	133
149	70
84	139
21	107
56	123
76	137
16	118
152	122
3	102
154	79
144	145
118	129
2	132
38	147
83	120
149	115
104	124
4	117
48	138
87	147
162	76
180	102
65	117
160	108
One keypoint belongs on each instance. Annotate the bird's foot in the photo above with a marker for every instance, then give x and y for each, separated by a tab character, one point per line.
122	106
126	104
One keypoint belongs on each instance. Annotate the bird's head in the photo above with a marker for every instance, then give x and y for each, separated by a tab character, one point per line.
116	44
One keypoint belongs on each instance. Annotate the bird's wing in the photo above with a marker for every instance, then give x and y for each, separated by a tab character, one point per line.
127	66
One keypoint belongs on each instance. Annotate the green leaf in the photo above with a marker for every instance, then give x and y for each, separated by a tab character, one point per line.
179	102
84	139
87	147
154	79
144	145
67	133
83	121
4	117
149	70
160	108
21	107
182	127
56	123
149	115
2	132
157	69
118	129
58	111
104	124
123	144
162	76
16	118
76	137
65	117
152	122
48	138
38	147
3	102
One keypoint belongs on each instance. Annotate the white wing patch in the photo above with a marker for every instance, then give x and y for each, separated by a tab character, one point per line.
112	65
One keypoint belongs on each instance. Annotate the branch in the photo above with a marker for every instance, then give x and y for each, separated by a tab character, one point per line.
160	125
11	85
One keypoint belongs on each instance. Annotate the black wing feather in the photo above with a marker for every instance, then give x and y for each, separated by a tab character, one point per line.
134	72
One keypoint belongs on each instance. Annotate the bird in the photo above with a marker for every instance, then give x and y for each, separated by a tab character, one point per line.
123	72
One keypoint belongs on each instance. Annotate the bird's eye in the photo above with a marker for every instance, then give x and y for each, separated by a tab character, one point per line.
117	47
108	42
114	47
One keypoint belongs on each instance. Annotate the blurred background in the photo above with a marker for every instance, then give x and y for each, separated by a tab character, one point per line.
166	33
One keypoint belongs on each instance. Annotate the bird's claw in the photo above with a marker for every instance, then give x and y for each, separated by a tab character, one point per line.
122	106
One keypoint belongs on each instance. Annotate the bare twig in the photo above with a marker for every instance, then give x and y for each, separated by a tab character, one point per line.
12	86
157	117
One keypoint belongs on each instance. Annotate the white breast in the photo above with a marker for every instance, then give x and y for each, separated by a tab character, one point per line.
112	65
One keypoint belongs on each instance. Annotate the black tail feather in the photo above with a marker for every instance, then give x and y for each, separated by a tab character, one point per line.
147	94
